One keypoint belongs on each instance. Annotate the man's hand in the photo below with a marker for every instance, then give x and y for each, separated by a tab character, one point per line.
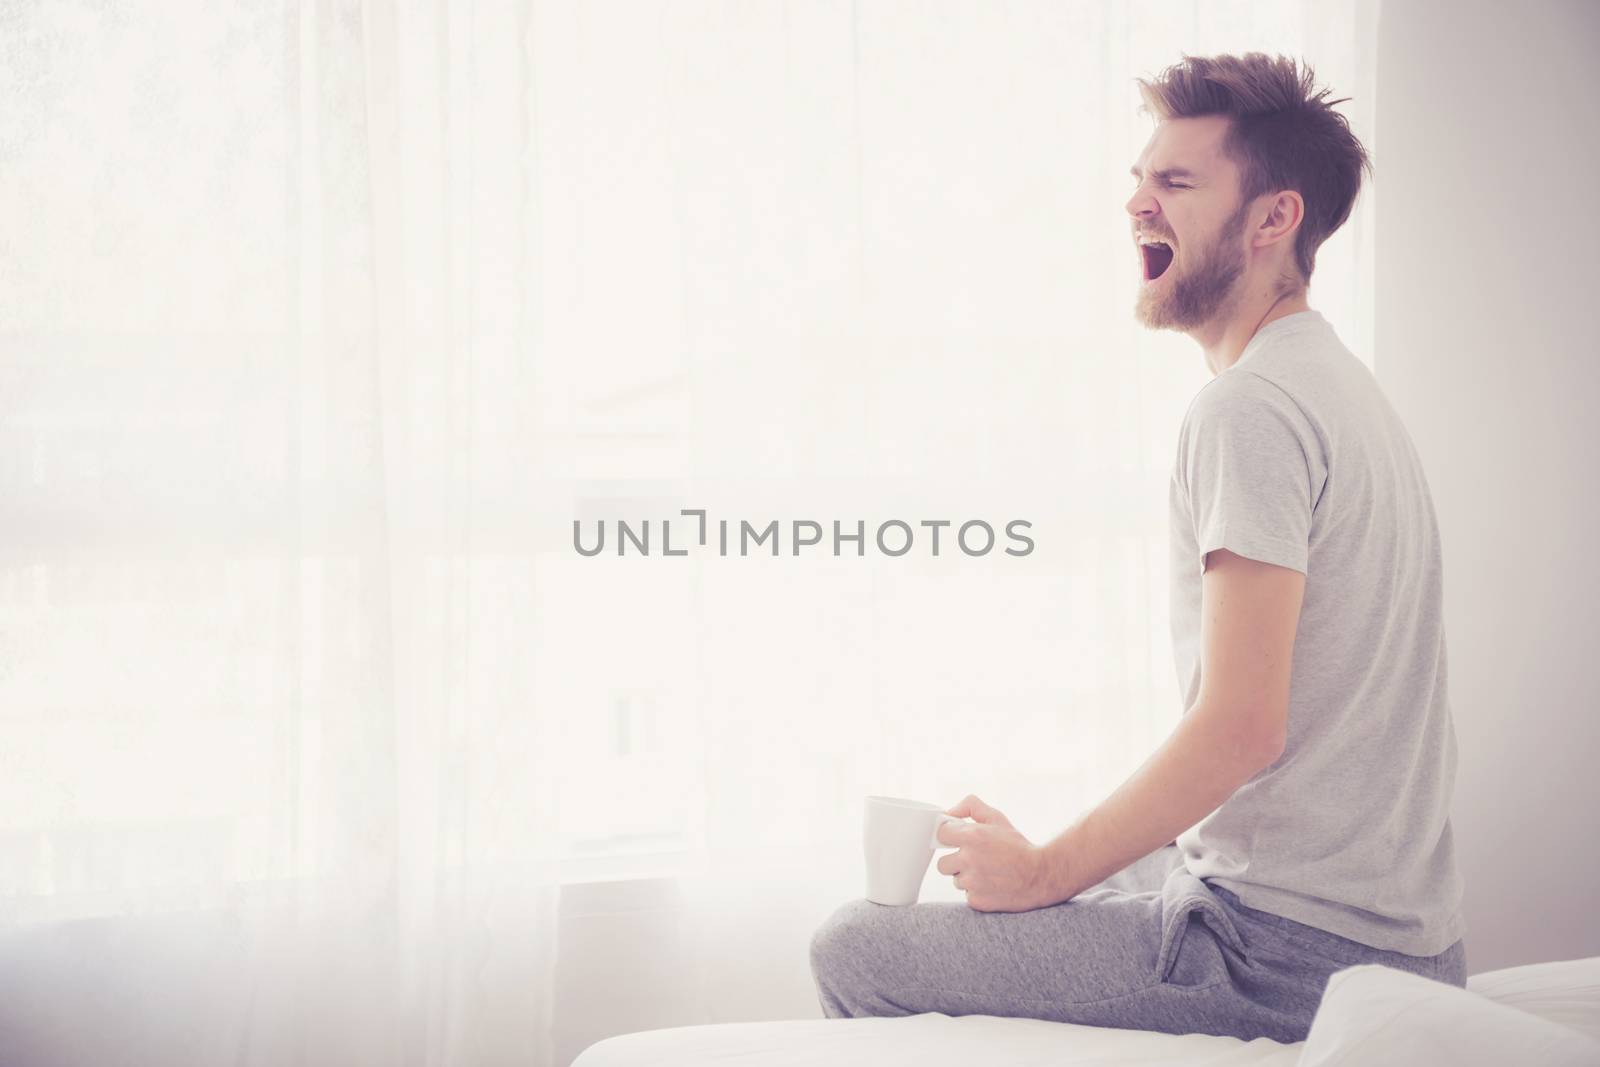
999	869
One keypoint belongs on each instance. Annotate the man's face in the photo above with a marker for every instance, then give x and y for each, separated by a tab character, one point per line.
1187	196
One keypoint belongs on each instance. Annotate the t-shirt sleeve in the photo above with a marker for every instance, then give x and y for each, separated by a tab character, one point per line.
1253	471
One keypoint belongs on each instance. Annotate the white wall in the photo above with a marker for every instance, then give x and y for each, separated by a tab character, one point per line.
1487	165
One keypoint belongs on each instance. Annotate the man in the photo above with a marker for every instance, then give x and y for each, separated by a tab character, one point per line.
1307	784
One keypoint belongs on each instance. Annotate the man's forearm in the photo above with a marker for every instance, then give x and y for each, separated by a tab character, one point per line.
1208	755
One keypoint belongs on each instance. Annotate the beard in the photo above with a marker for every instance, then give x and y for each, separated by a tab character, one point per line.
1188	296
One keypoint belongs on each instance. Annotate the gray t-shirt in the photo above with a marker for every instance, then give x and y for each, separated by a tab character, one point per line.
1294	456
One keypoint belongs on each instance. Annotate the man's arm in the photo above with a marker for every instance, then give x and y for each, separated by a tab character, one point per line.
1237	726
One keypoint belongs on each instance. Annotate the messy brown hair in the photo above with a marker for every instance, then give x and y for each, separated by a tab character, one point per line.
1282	134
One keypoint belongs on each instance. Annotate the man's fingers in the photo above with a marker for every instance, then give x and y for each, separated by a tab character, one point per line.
987	814
970	807
947	863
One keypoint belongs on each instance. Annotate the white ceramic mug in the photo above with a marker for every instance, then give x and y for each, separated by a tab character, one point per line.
899	839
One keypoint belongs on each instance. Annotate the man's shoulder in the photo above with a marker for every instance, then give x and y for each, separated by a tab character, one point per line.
1240	396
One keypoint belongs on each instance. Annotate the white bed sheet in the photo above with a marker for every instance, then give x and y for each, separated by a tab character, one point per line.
1566	993
927	1040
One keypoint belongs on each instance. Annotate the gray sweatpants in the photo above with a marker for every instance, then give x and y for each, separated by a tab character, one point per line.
1153	948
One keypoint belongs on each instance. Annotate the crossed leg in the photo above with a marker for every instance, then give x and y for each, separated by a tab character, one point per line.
1108	957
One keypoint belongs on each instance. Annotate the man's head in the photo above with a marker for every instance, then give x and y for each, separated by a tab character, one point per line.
1247	173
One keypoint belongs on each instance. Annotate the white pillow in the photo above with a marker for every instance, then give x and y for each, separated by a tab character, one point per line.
1566	992
1375	1016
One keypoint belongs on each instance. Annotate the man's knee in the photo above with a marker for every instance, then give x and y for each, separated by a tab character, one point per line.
841	955
844	935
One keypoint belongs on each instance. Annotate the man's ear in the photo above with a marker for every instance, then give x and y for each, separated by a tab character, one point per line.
1284	215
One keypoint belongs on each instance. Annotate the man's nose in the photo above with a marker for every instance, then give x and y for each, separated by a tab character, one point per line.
1141	204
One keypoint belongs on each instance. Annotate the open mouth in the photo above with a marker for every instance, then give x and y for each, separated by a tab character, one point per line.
1157	258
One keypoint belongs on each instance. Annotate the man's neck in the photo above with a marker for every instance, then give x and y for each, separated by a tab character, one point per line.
1224	341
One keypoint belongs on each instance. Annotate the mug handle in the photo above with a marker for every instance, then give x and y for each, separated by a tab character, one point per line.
933	838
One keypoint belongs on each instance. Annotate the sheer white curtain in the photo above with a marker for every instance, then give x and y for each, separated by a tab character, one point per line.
323	323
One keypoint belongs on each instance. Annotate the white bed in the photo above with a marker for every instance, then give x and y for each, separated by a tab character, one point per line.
929	1040
1544	1013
